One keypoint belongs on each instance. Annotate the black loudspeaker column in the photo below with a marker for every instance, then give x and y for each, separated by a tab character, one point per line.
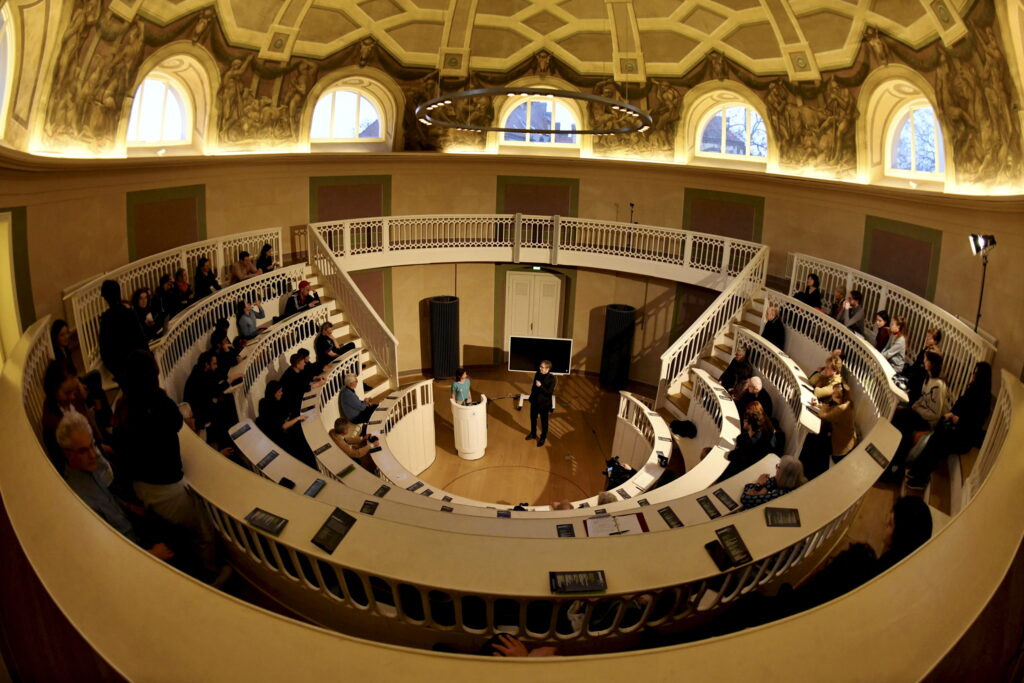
619	324
444	336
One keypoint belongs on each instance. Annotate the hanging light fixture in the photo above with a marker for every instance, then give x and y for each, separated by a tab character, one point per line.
434	112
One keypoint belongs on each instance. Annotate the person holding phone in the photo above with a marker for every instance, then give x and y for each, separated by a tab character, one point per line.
541	393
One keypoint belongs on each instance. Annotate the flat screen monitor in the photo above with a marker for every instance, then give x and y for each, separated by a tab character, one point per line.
526	353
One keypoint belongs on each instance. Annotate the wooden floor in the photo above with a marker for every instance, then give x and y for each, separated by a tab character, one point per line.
569	466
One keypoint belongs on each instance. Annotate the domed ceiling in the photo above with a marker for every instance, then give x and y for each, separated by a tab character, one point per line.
629	39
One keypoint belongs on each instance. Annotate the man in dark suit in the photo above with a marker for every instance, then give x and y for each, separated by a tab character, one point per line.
540	401
120	332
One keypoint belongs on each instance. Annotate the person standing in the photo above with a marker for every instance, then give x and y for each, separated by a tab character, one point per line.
460	387
541	393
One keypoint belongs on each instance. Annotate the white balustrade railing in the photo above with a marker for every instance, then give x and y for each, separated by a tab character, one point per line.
378	339
686	350
863	362
40	353
995	438
787	381
187	332
962	347
83	304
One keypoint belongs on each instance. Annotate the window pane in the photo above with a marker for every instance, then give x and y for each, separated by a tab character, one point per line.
369	120
540	119
321	127
174	117
901	147
517	119
758	136
711	139
344	124
135	117
564	120
736	130
152	111
924	140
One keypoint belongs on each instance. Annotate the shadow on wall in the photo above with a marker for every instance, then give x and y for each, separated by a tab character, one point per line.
481	355
425	361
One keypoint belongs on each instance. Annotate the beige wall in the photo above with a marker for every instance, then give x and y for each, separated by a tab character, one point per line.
81	203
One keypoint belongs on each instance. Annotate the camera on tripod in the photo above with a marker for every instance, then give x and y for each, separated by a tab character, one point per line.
617	473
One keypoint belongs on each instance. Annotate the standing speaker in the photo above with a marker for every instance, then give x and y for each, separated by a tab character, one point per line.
619	323
444	336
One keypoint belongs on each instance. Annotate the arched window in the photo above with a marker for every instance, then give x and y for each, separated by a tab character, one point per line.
159	113
541	113
344	114
734	130
915	145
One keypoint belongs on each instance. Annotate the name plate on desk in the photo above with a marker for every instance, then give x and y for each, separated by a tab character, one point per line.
308	408
266	521
369	507
578	582
415	487
347	471
876	454
333	530
505	514
306	398
733	544
315	488
726	499
782	516
382	491
670	517
622	492
565	531
709	508
241	430
267	459
322	449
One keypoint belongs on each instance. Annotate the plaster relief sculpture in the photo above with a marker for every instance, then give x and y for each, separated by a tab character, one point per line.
367	51
417	136
814	131
879	50
203	25
250	107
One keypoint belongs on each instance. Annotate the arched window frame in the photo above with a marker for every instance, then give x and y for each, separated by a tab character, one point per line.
903	116
6	63
371	97
749	113
512	103
182	92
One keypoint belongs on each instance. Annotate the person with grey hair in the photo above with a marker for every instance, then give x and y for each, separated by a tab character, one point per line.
755	392
89	475
789	474
354	409
605	497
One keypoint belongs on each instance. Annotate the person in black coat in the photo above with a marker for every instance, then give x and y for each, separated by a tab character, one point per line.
755	392
280	426
204	390
541	393
960	430
301	300
753	443
205	279
811	293
120	333
295	382
774	331
739	369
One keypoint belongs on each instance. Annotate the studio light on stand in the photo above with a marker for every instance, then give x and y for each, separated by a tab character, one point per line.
981	245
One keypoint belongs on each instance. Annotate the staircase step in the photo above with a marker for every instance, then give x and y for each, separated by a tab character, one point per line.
724	347
716	361
680	401
749	325
687	388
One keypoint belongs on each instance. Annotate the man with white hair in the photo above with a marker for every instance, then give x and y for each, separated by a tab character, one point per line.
755	392
89	475
355	409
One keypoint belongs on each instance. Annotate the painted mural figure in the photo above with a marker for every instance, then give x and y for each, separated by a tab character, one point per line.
232	92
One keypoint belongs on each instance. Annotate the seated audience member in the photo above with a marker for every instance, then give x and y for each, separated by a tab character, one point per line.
326	351
810	294
774	331
96	398
146	432
505	645
561	505
120	333
835	307
852	315
838	435
246	315
352	407
63	394
922	416
182	289
755	392
280	426
265	261
227	355
357	447
296	382
754	442
89	475
959	430
916	374
166	299
460	387
301	300
880	329
895	350
205	279
605	498
738	371
243	268
911	526
789	474
824	378
204	391
150	320
311	373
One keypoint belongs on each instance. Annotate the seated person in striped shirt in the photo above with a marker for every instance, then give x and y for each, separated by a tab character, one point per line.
789	474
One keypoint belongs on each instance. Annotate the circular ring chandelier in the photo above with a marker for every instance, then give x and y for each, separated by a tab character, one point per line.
633	119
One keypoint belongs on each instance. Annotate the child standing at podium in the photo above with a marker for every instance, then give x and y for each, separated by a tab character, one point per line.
460	387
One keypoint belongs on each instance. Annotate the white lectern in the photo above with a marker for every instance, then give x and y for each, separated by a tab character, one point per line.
470	428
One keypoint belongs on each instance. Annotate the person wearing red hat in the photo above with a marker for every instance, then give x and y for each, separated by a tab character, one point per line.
302	299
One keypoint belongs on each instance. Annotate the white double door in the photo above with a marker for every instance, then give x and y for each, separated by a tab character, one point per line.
533	305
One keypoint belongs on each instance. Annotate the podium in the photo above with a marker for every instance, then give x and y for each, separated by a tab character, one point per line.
470	428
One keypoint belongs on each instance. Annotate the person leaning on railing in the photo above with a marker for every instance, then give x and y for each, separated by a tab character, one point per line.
243	268
789	474
959	430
